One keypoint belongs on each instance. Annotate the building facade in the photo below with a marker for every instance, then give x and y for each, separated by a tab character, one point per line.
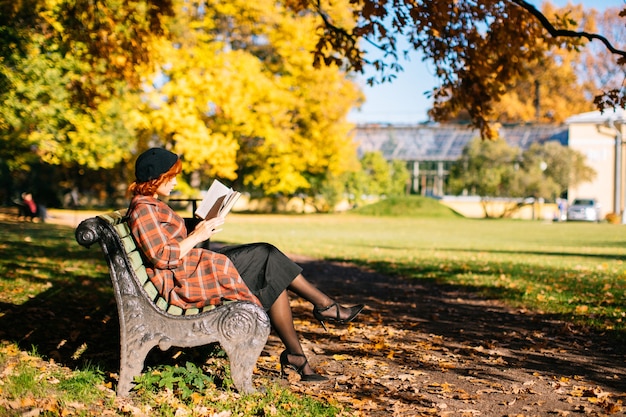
598	136
430	150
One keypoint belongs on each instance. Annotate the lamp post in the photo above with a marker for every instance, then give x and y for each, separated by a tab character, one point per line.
537	198
616	126
616	131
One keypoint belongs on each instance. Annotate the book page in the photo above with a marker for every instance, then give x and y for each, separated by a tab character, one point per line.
229	202
212	201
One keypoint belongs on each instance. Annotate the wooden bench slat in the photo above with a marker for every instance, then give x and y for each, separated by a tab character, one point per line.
151	290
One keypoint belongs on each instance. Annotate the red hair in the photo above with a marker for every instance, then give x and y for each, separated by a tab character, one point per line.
150	187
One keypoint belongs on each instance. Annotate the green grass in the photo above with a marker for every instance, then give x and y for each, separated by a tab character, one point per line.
29	382
57	296
575	270
193	387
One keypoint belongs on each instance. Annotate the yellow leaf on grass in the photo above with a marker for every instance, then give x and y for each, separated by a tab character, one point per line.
196	398
27	402
581	309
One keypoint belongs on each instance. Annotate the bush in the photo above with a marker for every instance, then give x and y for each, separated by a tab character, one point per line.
614	218
408	206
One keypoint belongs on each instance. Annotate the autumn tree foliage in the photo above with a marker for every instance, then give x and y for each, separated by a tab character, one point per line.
479	48
241	99
597	69
86	85
67	72
553	88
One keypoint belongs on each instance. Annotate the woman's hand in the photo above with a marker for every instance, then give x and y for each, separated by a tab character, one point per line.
207	228
203	231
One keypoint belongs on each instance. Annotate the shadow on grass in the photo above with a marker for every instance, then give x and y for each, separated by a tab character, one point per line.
595	256
462	318
599	257
74	319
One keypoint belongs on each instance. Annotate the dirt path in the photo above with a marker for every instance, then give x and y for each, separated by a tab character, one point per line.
419	349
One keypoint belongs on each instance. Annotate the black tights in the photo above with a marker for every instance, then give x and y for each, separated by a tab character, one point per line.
282	319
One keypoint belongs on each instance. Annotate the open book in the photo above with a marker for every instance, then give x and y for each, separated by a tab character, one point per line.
218	201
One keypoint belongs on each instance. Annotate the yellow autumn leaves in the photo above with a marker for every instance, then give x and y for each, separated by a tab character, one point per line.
229	85
248	99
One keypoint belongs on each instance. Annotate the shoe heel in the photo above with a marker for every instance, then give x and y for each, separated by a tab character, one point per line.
354	311
317	313
284	363
323	324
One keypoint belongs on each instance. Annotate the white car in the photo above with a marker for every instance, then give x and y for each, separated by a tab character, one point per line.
584	209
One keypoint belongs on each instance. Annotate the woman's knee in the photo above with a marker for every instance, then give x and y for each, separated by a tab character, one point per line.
266	248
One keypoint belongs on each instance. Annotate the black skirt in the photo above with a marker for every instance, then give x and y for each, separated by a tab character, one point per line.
264	268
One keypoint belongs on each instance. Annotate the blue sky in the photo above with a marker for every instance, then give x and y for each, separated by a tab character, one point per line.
404	101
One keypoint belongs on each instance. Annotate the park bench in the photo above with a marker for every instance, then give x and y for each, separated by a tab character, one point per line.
146	319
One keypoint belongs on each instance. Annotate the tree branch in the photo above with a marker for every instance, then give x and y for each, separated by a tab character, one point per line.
554	32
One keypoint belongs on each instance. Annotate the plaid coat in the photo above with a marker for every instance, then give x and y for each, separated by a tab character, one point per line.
200	278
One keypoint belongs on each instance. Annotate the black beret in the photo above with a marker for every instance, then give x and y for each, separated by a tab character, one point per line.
153	163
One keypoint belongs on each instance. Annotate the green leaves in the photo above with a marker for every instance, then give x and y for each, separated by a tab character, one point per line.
184	381
495	169
69	96
486	168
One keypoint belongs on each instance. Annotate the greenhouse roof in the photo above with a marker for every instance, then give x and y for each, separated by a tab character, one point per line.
444	142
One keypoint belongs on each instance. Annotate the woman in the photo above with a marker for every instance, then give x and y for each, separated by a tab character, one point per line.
188	276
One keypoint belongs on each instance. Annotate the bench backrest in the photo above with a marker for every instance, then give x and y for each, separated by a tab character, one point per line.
119	223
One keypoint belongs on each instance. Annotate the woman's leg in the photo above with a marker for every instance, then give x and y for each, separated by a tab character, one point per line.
324	305
302	287
282	321
267	271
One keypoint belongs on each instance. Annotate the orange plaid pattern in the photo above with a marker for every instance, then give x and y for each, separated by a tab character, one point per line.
200	278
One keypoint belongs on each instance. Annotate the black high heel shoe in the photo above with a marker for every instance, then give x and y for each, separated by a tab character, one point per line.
354	311
284	363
